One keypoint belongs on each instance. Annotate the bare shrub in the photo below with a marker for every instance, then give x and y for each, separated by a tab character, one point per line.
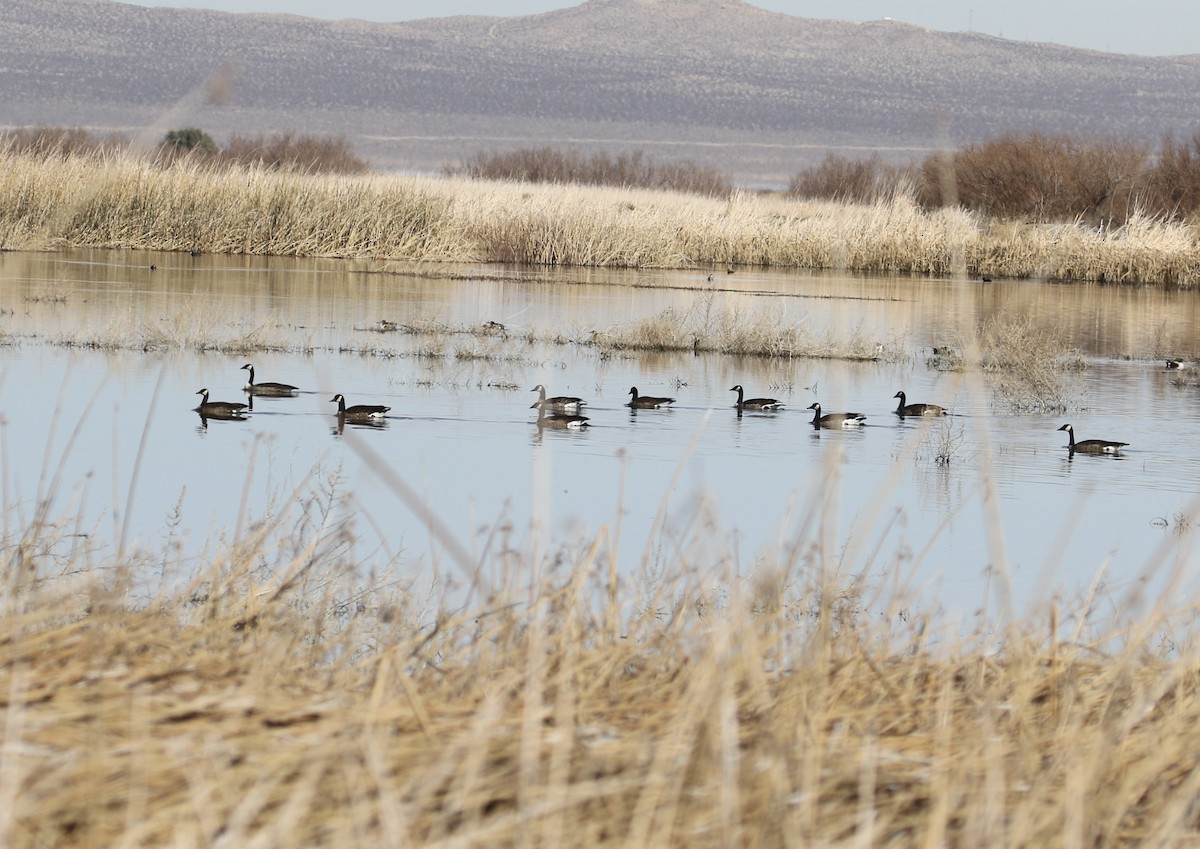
1029	363
1039	176
633	169
851	180
59	142
291	152
1172	183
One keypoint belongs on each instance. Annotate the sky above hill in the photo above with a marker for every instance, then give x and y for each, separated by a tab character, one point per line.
1150	27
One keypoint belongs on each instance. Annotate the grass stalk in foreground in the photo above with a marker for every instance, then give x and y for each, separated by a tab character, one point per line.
303	704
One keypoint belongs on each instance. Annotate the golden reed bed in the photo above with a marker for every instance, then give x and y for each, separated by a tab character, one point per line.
116	201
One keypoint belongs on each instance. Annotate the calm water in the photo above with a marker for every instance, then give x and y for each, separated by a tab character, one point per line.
112	432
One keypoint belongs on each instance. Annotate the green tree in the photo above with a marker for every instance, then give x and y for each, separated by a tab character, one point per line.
190	138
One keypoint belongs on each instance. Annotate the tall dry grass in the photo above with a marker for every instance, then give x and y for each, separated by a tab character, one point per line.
285	697
114	201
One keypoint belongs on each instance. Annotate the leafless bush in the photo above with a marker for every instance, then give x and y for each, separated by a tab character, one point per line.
851	180
1042	177
1172	184
59	141
634	169
287	151
291	152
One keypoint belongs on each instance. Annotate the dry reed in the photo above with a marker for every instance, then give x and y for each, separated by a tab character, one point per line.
280	698
1030	365
114	201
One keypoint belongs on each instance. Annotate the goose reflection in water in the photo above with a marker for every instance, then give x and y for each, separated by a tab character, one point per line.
205	418
362	424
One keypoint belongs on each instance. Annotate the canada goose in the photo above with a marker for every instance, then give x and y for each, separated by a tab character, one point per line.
276	389
560	421
903	409
219	409
754	403
647	402
836	421
1174	364
557	404
1091	446
359	412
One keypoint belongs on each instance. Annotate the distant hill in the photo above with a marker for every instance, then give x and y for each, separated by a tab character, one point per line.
757	93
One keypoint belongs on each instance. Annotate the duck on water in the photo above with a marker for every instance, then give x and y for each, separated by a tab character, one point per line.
647	402
1091	446
359	412
278	390
743	403
220	409
904	409
835	421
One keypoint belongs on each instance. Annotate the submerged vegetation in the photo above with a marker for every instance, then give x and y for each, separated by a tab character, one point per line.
1026	363
278	693
116	201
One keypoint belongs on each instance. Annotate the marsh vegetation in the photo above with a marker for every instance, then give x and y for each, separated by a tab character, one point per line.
287	678
282	696
1031	176
111	200
285	687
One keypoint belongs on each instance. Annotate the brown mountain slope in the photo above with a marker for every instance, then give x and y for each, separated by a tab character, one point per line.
755	92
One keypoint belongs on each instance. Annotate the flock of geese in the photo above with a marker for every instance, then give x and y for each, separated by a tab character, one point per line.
563	412
236	410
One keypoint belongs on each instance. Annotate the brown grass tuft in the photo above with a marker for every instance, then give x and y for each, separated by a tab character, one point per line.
282	698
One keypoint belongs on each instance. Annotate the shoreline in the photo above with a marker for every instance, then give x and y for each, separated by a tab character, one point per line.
122	202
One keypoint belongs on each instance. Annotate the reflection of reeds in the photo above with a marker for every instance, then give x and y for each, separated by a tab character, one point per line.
114	201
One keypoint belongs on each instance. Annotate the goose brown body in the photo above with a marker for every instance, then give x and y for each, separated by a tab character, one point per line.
1091	446
904	409
359	412
647	402
267	388
744	403
835	421
219	409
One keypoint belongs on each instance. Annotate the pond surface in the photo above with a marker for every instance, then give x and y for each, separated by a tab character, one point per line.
108	429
